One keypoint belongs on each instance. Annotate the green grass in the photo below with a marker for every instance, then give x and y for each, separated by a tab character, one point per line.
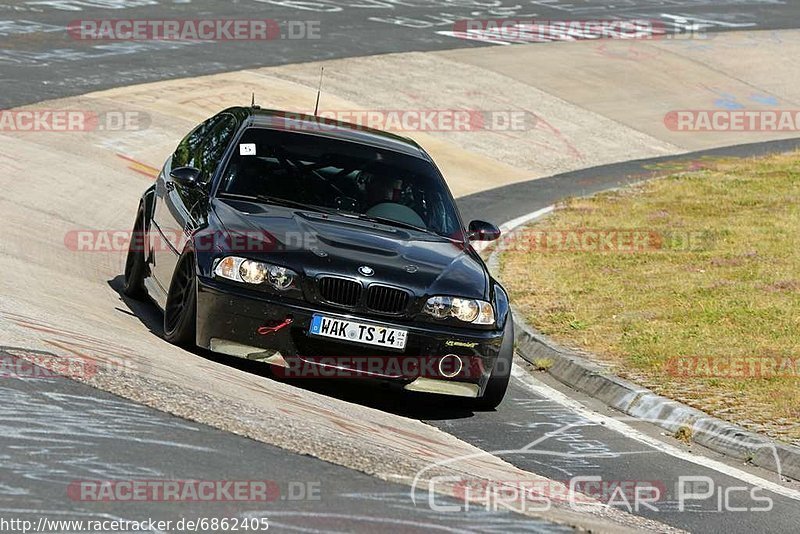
723	283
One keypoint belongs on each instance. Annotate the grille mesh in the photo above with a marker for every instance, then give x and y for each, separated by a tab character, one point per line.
386	299
340	290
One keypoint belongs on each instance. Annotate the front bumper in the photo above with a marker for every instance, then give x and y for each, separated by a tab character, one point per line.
228	319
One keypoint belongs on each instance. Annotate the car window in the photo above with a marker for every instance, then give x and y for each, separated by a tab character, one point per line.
349	177
213	146
189	145
205	145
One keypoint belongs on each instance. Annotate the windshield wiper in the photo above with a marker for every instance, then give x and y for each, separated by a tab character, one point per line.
389	222
277	201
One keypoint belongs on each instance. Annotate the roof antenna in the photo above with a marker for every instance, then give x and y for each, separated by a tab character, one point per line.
253	101
319	90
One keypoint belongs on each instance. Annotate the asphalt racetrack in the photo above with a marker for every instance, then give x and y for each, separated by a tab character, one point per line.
41	61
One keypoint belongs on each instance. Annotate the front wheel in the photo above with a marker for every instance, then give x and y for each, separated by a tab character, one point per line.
180	315
501	372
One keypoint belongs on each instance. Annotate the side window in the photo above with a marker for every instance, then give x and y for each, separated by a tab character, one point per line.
188	147
213	146
205	145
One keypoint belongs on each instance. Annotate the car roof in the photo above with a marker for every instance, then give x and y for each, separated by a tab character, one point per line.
313	125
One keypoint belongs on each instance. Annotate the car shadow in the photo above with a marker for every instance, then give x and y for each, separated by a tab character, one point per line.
147	312
390	398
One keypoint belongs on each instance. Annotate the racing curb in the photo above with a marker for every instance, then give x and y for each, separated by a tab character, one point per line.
574	370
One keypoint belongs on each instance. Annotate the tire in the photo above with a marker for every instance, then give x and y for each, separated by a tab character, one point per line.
135	266
501	372
180	313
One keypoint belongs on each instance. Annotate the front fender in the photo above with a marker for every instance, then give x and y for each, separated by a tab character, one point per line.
148	202
502	307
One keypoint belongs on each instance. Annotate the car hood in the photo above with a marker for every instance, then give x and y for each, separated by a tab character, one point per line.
314	243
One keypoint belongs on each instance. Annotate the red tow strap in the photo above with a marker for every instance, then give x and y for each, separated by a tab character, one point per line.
267	330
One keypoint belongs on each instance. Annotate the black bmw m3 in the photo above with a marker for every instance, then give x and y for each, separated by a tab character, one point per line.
321	247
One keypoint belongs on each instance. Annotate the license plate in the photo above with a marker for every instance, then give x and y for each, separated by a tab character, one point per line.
368	334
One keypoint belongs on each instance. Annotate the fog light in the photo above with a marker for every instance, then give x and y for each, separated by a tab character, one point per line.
450	366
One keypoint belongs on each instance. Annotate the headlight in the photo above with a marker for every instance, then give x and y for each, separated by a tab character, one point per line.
280	277
467	310
255	272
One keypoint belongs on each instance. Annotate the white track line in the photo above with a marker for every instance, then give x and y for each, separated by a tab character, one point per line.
513	224
617	425
519	221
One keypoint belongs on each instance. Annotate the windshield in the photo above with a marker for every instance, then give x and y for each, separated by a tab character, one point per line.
350	178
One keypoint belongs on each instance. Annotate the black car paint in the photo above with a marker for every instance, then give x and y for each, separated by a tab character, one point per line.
176	206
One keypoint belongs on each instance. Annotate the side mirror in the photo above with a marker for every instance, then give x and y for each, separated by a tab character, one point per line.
483	231
185	176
